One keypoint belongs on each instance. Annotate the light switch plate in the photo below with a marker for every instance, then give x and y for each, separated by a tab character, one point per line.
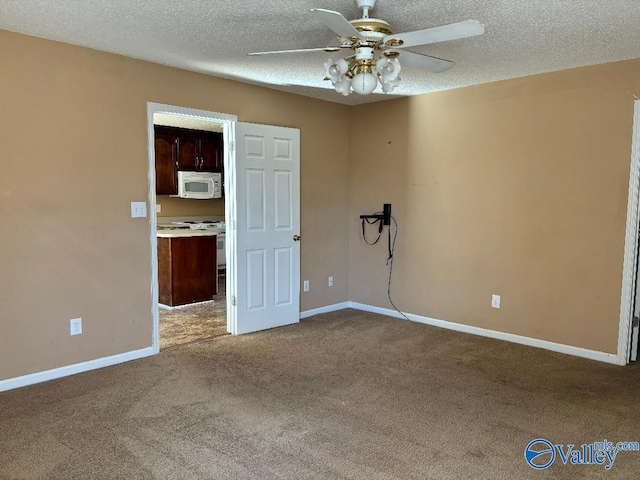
495	301
75	325
138	209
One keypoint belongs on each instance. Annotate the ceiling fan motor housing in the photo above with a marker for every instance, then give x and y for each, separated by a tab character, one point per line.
372	29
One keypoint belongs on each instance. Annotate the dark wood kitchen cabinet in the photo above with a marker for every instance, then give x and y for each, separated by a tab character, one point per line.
200	151
211	152
184	149
166	147
187	269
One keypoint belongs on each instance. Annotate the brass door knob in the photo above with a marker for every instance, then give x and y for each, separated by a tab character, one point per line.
296	238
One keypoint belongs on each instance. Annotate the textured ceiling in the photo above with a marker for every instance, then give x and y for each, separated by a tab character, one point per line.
523	37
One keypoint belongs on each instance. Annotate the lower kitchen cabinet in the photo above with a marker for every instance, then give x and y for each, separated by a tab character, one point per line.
187	269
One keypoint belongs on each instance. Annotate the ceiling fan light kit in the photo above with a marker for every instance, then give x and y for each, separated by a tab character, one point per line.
378	53
362	73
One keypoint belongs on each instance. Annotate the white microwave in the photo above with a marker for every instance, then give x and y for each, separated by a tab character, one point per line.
200	185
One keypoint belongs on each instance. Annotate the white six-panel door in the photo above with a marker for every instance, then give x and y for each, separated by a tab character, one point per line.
267	194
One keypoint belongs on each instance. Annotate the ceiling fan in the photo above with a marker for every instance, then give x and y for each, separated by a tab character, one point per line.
378	51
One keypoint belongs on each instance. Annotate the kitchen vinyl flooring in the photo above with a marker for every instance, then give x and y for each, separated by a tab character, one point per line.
195	323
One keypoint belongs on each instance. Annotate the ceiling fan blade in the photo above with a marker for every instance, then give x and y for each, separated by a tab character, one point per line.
424	62
321	49
468	28
336	22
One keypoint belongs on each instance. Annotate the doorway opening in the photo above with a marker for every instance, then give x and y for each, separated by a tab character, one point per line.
188	235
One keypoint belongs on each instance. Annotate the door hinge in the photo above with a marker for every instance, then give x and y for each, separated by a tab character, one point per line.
635	323
233	300
232	146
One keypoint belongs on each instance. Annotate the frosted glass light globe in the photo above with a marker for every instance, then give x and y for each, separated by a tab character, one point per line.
342	66
364	83
387	87
343	86
388	69
331	71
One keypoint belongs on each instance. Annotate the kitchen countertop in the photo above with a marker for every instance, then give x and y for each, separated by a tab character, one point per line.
180	233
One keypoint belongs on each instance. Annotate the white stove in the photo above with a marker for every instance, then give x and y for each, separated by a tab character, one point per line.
219	226
214	226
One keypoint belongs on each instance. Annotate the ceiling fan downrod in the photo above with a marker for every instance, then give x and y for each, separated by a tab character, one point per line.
365	6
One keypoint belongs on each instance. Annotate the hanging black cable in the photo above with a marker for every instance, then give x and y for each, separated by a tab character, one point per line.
371	220
392	248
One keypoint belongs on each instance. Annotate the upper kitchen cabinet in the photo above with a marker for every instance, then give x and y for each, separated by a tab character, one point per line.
200	151
166	147
188	152
184	149
211	152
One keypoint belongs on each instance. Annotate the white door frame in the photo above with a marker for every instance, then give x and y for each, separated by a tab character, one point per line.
630	245
228	122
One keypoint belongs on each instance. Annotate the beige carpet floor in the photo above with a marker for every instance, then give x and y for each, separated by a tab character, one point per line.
194	323
345	395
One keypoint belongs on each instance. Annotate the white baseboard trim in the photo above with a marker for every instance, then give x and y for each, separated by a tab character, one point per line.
509	337
32	379
47	375
329	308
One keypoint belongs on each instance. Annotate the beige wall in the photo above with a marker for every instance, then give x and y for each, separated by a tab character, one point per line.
517	188
74	156
177	207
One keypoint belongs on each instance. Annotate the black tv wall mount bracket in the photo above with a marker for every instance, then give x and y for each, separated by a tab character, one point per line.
385	216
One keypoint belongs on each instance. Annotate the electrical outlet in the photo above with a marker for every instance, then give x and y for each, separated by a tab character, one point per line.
76	326
305	286
495	301
158	208
331	281
138	209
